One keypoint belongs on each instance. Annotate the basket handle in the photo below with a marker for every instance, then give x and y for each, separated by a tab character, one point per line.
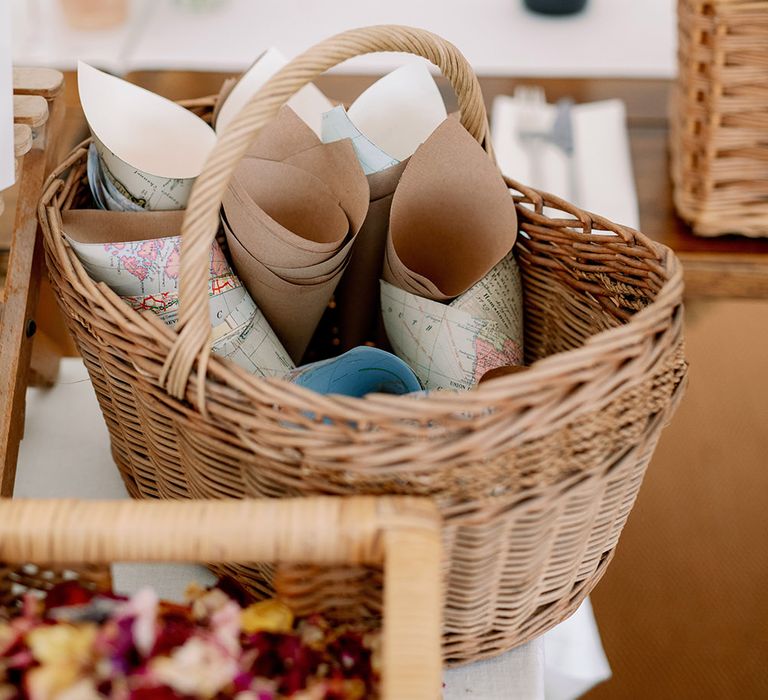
201	220
402	533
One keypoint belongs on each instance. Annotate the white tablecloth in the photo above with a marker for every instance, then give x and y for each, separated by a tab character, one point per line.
65	454
499	37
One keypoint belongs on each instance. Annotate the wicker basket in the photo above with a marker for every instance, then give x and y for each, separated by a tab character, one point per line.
402	533
534	473
720	116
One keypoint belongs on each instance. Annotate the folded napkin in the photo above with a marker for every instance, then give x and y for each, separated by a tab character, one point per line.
601	158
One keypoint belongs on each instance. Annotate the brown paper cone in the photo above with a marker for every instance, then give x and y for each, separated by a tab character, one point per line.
98	226
292	213
285	135
286	215
357	296
452	218
292	309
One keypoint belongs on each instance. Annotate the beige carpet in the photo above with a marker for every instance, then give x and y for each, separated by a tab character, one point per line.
683	609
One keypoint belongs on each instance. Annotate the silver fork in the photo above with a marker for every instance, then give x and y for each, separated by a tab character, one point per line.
562	136
532	134
531	100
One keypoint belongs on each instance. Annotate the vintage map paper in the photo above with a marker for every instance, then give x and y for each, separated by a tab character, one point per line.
151	148
337	125
452	346
140	190
146	274
399	111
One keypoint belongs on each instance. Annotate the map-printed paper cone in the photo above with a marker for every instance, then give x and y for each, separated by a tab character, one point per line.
308	103
337	126
452	218
151	149
394	116
399	111
451	346
137	254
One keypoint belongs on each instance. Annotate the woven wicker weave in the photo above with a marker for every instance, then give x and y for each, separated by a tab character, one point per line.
720	116
400	533
535	473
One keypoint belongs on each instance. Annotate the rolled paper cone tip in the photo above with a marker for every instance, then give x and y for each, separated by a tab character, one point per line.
498	372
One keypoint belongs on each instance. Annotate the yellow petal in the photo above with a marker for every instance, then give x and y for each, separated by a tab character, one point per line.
46	682
267	616
62	643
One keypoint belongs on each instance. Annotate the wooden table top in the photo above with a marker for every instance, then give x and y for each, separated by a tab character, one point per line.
725	267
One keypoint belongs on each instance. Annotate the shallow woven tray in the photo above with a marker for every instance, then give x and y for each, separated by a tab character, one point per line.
534	473
402	534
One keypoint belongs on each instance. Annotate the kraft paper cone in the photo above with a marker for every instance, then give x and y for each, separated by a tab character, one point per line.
95	226
293	308
395	114
284	136
357	297
289	216
452	218
292	213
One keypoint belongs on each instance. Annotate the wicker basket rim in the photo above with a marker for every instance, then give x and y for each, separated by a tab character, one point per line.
546	369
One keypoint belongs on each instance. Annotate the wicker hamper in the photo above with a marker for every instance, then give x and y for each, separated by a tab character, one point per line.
41	542
534	473
719	117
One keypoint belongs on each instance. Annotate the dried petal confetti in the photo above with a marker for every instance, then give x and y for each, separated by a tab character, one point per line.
79	645
267	616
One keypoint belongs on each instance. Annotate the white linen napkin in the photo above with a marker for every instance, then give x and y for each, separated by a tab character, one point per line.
602	159
570	657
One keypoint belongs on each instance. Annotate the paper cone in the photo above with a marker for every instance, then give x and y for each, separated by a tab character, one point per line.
293	308
151	149
137	254
357	297
308	103
337	126
452	218
387	122
292	213
452	346
282	137
399	111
